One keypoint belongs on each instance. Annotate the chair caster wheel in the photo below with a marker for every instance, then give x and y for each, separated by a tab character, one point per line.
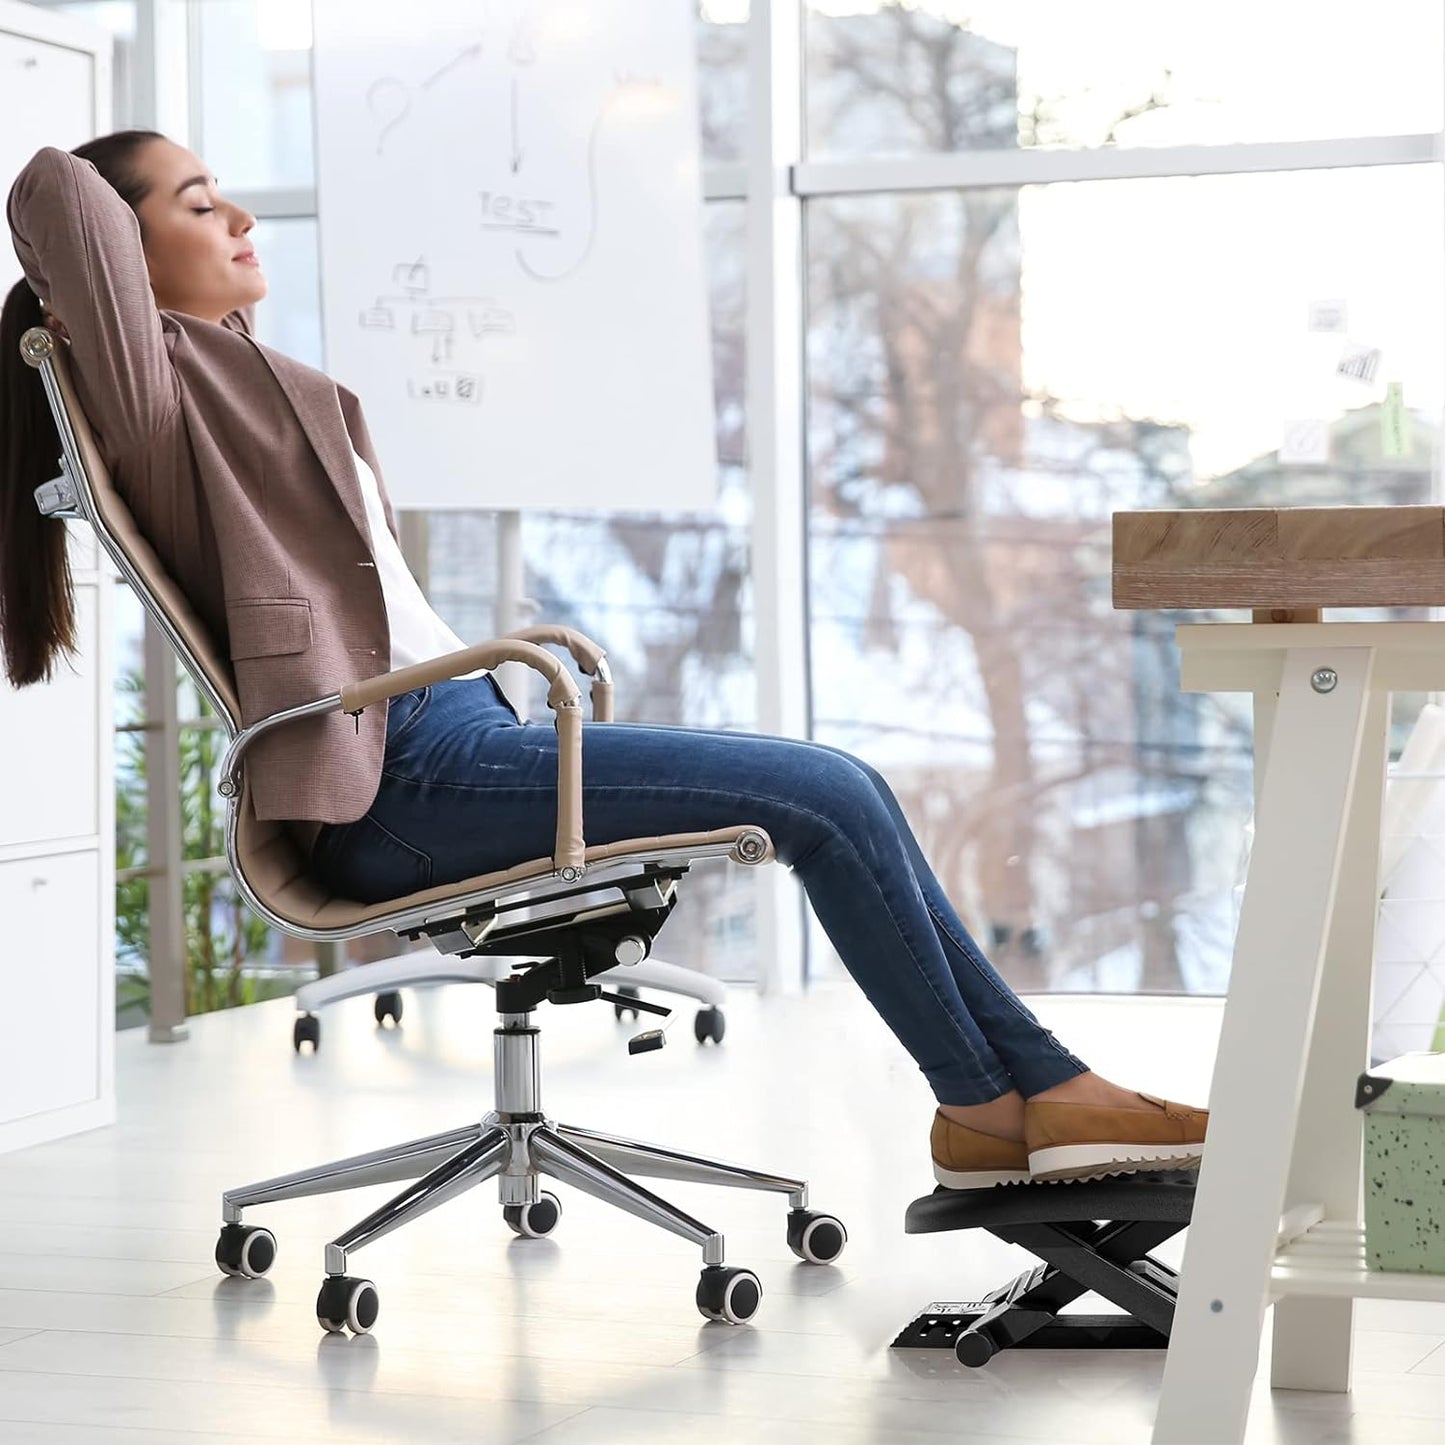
307	1030
729	1296
245	1250
534	1221
709	1023
815	1238
347	1304
621	1010
387	1006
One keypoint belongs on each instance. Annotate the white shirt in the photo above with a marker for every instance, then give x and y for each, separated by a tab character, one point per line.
417	633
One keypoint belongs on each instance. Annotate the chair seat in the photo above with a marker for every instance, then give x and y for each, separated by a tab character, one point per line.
276	870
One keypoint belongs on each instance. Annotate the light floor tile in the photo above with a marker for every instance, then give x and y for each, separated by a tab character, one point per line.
276	1412
609	1426
116	1327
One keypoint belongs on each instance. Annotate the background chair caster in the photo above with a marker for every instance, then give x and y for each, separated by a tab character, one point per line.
534	1221
729	1296
347	1304
387	1006
815	1238
245	1251
709	1023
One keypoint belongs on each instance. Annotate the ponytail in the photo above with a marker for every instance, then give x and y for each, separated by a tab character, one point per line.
37	602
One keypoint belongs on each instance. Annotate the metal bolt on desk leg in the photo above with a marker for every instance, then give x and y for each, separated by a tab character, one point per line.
1324	679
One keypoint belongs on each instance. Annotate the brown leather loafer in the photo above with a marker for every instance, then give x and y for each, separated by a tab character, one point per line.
1085	1141
965	1159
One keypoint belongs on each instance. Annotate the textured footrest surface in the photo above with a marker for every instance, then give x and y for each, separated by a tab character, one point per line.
1166	1196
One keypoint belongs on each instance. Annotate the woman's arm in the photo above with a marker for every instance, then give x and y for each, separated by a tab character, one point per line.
80	247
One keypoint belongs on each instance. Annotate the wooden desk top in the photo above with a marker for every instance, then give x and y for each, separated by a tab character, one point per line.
1283	558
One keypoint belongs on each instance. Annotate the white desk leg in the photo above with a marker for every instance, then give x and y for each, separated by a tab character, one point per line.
1313	1337
1303	803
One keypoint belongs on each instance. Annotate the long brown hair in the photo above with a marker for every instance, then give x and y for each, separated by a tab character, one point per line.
37	603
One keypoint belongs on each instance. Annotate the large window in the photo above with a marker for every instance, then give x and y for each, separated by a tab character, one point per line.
992	366
944	75
992	371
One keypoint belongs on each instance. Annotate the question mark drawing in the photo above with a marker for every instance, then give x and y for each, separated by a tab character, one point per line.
389	100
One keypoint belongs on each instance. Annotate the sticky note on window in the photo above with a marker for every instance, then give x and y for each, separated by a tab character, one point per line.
1305	444
1359	362
1394	422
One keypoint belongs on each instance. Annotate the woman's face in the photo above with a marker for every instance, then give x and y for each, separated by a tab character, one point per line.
196	250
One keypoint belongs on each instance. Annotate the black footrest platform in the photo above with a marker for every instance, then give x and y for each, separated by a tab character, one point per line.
1164	1196
1091	1236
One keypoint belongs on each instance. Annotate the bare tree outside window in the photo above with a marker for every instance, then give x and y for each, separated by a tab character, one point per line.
1080	809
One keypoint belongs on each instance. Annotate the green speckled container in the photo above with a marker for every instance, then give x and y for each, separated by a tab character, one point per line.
1404	1106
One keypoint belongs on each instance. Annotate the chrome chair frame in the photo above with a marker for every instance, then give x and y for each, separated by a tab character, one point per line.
584	910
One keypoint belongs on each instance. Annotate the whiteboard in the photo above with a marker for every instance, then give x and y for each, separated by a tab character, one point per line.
510	210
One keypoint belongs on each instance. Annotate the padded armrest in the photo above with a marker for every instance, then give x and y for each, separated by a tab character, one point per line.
588	655
562	692
563	696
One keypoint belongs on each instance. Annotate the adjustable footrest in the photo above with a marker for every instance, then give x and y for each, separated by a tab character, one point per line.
1092	1236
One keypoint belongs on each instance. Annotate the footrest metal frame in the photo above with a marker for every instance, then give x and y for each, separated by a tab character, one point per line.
1108	1255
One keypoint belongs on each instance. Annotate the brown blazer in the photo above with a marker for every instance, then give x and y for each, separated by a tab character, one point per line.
236	461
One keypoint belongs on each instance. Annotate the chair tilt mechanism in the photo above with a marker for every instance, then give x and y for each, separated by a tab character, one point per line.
1091	1236
581	937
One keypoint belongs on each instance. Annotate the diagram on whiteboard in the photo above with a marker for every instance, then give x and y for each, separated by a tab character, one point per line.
511	245
444	331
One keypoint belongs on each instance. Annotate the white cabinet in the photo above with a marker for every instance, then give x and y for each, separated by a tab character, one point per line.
50	1044
49	783
57	891
54	91
57	789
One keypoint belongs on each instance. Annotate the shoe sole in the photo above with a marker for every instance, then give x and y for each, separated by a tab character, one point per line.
1078	1162
979	1178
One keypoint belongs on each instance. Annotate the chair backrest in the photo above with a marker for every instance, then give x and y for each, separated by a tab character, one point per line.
266	854
135	557
270	867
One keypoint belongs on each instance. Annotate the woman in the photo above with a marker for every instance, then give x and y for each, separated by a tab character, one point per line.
132	254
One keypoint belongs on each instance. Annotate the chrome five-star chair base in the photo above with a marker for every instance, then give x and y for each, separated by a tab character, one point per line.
517	1143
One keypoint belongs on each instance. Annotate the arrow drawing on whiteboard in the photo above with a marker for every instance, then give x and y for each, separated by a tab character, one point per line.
592	206
389	99
470	53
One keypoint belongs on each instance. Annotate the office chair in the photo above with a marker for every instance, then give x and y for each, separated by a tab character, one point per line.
570	919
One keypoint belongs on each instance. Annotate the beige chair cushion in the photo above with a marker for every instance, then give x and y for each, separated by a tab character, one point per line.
273	867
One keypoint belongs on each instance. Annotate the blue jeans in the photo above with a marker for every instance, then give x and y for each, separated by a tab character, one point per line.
466	789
